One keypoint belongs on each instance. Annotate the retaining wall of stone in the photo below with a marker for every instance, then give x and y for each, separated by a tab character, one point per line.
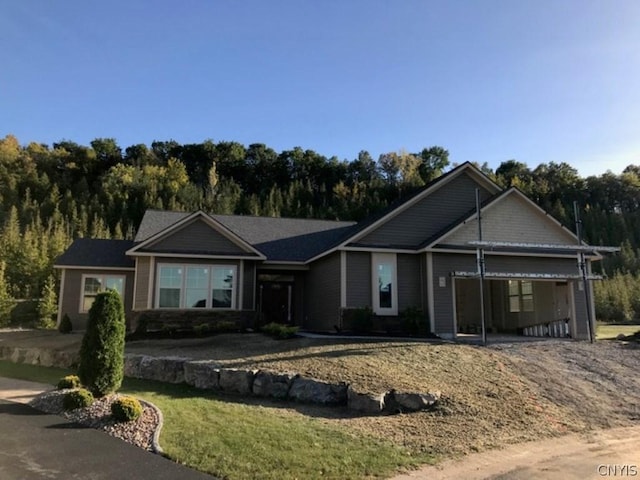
209	375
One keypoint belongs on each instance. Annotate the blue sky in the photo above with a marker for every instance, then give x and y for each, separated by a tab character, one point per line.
536	81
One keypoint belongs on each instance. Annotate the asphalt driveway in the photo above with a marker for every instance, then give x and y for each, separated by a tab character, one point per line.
34	445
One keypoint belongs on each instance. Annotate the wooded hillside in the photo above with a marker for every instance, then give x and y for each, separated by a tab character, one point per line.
50	195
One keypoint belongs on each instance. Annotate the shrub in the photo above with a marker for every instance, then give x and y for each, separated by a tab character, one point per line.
201	330
65	324
359	320
126	409
413	320
279	330
70	381
102	351
225	326
80	398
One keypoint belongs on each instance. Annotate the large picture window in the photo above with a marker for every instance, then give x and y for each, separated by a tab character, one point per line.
92	285
196	286
384	288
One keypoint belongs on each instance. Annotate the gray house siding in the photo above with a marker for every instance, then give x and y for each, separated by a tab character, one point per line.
410	287
506	264
429	216
443	265
358	279
248	285
144	274
196	237
322	294
72	295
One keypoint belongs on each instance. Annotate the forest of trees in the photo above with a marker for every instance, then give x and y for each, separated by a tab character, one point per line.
50	195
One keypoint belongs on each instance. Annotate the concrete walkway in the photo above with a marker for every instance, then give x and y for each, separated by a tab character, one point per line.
34	445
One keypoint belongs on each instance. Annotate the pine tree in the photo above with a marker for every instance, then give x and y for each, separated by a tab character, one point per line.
48	304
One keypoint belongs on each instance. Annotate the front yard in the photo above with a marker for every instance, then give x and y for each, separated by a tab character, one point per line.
492	397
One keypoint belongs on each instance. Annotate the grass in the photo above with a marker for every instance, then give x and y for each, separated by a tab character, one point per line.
606	331
236	440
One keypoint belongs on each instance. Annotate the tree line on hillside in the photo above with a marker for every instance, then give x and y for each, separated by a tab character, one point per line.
50	195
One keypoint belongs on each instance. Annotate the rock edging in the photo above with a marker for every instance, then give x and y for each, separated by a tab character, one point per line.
208	375
155	439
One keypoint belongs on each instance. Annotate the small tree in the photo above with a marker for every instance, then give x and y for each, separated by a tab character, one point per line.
6	300
48	304
102	352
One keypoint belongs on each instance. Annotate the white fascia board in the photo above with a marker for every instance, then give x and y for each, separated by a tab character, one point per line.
93	267
193	255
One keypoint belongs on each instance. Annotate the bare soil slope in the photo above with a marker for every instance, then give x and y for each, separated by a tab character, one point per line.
492	397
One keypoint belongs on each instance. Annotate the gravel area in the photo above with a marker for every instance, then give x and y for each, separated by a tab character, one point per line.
139	432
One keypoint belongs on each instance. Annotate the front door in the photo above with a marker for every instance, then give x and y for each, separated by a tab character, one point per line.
275	297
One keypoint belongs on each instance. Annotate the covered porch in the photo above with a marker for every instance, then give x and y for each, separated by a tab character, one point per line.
524	305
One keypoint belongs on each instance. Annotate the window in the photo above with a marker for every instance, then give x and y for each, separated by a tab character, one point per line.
521	296
94	284
196	286
222	287
384	287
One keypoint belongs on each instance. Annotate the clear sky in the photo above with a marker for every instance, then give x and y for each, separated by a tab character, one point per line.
490	80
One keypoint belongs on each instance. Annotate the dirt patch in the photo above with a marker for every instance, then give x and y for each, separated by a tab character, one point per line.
492	397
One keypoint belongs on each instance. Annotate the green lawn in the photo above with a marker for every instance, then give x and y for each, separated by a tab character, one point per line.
237	440
607	331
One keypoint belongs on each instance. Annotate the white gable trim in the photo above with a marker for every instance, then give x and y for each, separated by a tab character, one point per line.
213	223
497	201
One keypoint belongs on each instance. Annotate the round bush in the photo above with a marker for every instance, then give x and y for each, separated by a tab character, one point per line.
65	324
126	409
80	398
102	351
70	381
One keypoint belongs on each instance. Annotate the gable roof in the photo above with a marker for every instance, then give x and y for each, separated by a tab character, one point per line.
276	238
190	218
462	231
405	203
99	253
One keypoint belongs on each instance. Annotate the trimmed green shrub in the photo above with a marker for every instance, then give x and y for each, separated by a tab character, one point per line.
70	381
126	409
278	330
65	324
413	320
80	398
358	320
201	330
102	351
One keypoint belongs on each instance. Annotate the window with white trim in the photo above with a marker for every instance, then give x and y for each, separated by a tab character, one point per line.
521	296
196	286
384	283
93	284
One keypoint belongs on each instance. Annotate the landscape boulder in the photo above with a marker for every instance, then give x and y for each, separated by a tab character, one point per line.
163	369
370	403
132	365
309	390
236	381
202	374
274	385
410	402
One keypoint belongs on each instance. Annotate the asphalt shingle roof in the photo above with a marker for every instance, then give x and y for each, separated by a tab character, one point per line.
92	252
279	239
